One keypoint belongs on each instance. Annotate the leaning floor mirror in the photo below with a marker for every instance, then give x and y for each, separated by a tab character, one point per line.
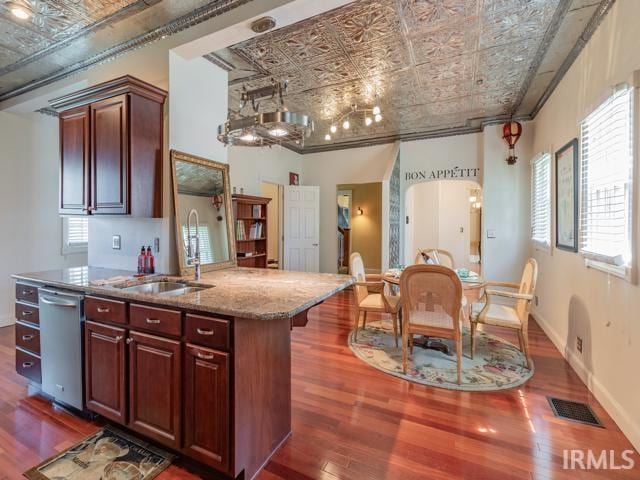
203	213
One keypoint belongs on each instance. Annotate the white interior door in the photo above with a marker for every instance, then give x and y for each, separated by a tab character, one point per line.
302	228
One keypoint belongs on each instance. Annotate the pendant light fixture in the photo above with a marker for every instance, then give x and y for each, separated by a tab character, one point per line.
260	129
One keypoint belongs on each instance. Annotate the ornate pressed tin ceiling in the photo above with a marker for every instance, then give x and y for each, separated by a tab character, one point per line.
64	36
438	66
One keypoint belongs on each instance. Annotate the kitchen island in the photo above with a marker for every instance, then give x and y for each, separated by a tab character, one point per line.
206	373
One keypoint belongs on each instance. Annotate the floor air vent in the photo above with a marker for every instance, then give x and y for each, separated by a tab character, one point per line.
574	411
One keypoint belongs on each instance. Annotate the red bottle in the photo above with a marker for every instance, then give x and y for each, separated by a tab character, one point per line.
150	261
141	261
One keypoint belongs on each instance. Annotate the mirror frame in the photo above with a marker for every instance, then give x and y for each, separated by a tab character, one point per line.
180	246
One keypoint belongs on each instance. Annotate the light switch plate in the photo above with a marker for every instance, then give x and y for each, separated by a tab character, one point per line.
116	242
491	233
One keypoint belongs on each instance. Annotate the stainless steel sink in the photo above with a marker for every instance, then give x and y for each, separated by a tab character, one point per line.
155	287
164	288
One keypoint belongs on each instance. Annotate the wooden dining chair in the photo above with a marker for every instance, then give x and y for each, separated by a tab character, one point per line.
515	317
369	296
438	256
431	306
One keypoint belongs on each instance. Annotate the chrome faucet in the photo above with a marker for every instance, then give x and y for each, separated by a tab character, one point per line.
193	257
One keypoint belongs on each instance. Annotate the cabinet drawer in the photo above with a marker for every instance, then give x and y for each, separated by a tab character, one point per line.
105	310
27	313
28	365
28	338
208	331
158	320
26	293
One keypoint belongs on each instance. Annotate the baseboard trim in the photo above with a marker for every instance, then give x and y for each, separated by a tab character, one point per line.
6	320
619	415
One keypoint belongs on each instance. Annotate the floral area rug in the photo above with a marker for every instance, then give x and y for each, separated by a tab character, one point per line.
497	365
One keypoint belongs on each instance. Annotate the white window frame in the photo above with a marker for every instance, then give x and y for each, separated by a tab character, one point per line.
68	249
537	160
628	271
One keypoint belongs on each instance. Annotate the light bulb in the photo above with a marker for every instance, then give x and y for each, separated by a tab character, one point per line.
278	132
368	121
20	12
376	110
378	117
333	129
327	137
473	199
346	125
248	137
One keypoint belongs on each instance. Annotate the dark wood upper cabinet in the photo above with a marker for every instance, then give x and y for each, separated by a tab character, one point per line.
155	388
111	138
74	160
105	387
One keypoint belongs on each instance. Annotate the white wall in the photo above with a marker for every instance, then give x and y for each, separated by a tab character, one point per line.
31	237
576	301
249	167
357	165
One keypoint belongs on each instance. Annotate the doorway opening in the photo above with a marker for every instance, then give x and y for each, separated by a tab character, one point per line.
446	215
359	225
275	192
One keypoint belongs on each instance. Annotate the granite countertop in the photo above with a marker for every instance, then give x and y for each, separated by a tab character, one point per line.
240	292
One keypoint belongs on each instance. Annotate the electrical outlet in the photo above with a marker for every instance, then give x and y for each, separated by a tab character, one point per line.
491	233
156	244
579	344
116	242
537	300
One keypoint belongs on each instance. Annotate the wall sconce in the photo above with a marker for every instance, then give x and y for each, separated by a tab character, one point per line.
360	211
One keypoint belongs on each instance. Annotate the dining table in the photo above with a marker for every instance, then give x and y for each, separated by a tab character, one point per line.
470	281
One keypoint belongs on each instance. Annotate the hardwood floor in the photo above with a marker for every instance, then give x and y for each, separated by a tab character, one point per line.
351	421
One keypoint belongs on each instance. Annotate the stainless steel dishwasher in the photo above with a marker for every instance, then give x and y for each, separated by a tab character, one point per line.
61	323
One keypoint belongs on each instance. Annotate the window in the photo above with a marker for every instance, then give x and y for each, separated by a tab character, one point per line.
541	200
206	252
75	235
606	184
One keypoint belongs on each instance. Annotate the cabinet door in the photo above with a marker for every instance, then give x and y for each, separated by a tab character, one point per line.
74	161
206	410
155	393
109	156
105	388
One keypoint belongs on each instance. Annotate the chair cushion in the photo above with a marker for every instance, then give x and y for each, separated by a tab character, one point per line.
499	315
373	301
394	302
431	319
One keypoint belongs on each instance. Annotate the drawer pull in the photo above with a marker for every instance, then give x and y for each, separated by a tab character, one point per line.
204	331
204	356
118	338
27	338
27	313
129	341
104	309
27	292
153	321
27	364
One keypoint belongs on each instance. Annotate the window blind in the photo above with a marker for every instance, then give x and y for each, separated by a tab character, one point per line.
206	251
606	179
77	231
541	200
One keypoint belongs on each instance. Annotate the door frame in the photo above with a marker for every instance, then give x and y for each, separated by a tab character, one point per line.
280	220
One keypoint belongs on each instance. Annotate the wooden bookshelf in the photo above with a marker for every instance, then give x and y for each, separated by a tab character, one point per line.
249	210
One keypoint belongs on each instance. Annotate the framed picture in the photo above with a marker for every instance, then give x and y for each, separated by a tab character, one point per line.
294	178
567	197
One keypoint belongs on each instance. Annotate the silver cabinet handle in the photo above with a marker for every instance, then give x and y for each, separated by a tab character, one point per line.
153	321
315	244
129	341
27	313
27	338
56	303
27	292
118	338
204	356
104	309
204	331
27	364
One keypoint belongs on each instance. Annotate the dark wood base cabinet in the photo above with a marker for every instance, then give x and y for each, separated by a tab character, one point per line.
224	402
